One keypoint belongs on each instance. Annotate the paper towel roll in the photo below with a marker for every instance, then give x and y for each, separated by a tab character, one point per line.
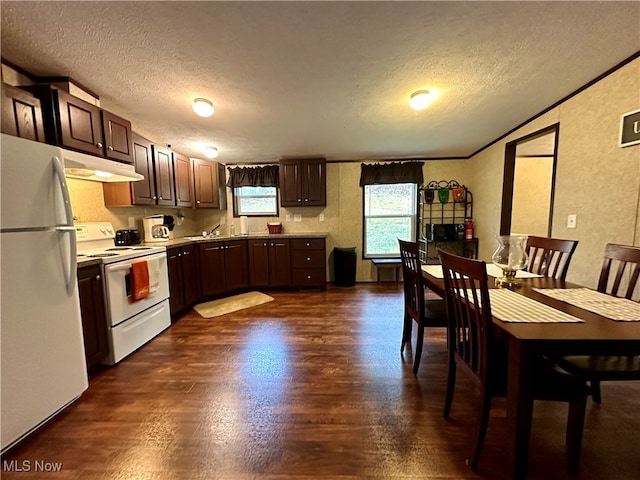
244	229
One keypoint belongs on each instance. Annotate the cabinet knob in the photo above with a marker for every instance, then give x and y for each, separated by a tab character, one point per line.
197	201
308	277
179	254
110	148
160	198
155	198
308	259
98	277
99	145
308	244
306	199
299	199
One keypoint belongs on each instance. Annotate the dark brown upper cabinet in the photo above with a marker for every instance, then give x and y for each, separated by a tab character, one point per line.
165	177
184	183
142	192
303	182
209	184
117	137
72	123
21	114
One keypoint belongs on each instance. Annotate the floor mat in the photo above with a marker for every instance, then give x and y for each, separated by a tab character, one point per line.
215	308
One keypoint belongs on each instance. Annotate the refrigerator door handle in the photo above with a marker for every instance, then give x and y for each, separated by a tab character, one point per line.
59	171
70	273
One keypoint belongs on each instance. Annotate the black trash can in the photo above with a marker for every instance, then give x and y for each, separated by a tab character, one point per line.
344	266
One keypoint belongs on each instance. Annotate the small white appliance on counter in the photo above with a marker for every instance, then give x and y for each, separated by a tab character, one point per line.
154	229
43	368
132	323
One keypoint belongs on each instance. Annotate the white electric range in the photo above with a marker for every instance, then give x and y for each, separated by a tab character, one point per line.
131	323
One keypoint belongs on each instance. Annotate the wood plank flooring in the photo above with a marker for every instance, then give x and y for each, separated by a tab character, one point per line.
309	386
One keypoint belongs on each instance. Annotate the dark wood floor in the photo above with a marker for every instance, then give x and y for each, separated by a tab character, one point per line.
309	386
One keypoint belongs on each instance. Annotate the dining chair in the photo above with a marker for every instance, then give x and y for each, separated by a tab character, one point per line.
550	257
473	349
620	262
420	304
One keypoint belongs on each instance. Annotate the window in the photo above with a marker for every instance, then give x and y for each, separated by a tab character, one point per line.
389	215
255	201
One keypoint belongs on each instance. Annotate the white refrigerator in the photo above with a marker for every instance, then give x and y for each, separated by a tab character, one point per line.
42	363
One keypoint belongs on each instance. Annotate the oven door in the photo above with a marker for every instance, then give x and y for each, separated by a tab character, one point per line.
120	304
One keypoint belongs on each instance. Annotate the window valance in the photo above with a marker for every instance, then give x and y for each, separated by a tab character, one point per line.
253	176
394	172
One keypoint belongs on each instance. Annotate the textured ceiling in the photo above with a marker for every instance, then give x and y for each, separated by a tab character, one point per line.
323	78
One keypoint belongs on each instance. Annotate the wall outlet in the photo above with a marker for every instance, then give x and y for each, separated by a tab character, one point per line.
321	217
572	220
297	217
288	217
132	222
223	220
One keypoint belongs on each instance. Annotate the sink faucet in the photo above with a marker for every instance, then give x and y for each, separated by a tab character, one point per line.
213	230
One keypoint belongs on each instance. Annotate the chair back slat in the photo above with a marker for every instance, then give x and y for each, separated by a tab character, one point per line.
550	257
620	270
412	279
469	311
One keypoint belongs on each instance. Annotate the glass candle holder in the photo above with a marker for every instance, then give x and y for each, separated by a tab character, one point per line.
510	256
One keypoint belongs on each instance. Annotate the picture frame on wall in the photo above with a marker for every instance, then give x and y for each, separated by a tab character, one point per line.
630	129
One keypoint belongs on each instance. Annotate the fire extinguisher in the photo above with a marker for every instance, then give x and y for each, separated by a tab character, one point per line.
468	229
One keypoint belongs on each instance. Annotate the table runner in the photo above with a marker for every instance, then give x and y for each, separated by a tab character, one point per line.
613	308
509	306
492	271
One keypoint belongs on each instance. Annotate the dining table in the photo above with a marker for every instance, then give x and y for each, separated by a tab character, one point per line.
529	338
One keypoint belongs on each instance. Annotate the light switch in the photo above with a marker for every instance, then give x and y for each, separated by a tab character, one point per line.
297	218
288	217
321	217
572	220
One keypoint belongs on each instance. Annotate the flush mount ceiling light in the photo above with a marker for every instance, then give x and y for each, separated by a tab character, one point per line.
203	107
211	152
420	99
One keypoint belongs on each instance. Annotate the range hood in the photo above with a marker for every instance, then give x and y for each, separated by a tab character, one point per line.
87	167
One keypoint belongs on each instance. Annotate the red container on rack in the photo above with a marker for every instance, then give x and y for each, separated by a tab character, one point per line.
468	229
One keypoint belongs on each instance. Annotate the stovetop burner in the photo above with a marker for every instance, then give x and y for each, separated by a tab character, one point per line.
101	255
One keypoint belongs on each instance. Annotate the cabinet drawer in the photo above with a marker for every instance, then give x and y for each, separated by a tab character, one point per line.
307	259
304	277
307	244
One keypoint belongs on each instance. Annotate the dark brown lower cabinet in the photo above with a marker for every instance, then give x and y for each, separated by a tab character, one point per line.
223	267
183	277
308	262
269	263
94	318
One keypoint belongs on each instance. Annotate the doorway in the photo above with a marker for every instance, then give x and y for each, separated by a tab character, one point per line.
528	185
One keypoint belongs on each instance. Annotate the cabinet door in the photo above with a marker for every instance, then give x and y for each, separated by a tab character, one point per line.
190	278
80	124
279	263
94	319
21	114
174	266
205	176
164	176
117	137
144	191
258	263
314	182
290	183
184	189
237	272
212	268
